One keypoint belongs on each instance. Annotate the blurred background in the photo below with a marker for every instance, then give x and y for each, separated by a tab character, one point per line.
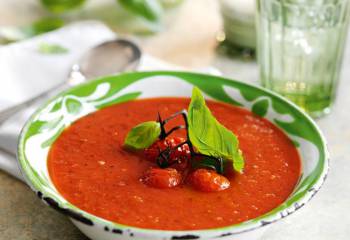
161	27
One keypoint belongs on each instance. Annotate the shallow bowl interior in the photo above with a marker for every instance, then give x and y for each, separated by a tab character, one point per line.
49	121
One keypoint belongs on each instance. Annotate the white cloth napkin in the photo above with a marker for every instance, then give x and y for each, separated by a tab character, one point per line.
25	72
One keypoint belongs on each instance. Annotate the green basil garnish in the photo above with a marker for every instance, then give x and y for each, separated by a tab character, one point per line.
208	136
60	6
143	135
148	9
12	34
210	143
48	48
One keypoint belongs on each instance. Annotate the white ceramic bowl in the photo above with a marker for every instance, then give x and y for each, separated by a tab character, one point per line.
49	120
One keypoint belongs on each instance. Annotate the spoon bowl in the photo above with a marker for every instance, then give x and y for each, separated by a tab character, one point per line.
109	58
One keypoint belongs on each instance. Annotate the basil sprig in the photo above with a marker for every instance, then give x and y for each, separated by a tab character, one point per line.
208	136
210	139
143	135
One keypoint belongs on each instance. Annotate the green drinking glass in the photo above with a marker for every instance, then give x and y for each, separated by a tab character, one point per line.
300	49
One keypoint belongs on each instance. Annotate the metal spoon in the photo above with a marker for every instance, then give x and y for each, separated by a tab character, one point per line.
105	59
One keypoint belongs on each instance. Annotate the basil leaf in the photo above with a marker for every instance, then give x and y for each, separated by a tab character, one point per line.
208	136
45	25
13	34
148	9
60	6
143	135
238	161
47	48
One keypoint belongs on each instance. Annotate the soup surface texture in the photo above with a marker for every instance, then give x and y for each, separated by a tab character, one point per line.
91	169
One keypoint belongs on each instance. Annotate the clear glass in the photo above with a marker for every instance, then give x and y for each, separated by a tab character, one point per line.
300	49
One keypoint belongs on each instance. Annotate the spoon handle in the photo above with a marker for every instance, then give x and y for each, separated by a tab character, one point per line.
75	77
8	143
10	111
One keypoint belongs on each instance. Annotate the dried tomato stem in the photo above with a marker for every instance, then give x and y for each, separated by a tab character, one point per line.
182	112
174	129
163	158
220	162
162	134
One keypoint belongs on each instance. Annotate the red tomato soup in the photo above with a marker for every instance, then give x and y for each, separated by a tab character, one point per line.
92	170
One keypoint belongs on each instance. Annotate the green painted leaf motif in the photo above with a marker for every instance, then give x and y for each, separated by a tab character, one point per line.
296	143
51	124
39	178
36	127
57	106
260	107
73	106
52	139
209	136
143	135
214	87
124	98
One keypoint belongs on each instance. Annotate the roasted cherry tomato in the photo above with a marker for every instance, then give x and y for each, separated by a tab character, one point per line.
179	155
162	177
208	180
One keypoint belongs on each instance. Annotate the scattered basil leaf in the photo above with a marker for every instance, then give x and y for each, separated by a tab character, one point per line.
170	3
13	34
208	136
59	6
148	9
143	135
47	48
45	25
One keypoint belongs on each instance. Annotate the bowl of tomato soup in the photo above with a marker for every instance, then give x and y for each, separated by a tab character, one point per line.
172	155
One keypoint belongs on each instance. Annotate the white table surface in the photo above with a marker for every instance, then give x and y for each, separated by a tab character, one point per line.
326	217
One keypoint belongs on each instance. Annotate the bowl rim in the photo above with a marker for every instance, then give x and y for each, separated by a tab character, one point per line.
229	230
